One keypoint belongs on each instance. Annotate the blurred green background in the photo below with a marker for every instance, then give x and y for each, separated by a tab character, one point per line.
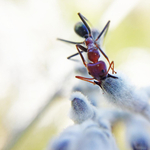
36	79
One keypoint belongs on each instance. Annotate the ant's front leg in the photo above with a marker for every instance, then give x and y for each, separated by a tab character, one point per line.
83	49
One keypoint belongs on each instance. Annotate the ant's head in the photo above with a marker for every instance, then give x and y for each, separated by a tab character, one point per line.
81	30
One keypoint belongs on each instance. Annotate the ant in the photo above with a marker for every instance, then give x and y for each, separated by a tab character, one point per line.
97	69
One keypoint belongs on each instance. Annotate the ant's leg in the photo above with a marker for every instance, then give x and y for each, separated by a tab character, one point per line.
69	41
79	77
73	55
86	79
106	58
105	29
112	67
102	53
82	48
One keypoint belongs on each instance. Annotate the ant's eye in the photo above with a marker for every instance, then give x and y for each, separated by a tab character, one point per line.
103	71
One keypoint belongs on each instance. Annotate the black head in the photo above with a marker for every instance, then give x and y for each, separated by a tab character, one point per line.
81	30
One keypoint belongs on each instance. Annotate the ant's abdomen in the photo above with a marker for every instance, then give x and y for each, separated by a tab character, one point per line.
97	70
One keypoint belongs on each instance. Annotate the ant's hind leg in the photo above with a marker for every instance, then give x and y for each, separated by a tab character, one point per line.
110	64
86	79
83	49
112	67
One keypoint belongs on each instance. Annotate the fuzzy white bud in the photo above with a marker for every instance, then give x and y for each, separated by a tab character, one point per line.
138	133
95	138
81	109
123	95
66	139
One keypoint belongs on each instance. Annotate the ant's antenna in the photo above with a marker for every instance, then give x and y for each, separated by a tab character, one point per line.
83	20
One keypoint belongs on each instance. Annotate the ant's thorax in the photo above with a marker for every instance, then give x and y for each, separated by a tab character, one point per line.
89	41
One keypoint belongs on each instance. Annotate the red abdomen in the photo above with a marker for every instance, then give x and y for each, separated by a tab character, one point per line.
97	70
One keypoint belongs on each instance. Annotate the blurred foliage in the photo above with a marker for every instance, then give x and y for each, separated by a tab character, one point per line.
132	32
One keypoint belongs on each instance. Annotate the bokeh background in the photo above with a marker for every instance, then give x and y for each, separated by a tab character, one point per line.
36	79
